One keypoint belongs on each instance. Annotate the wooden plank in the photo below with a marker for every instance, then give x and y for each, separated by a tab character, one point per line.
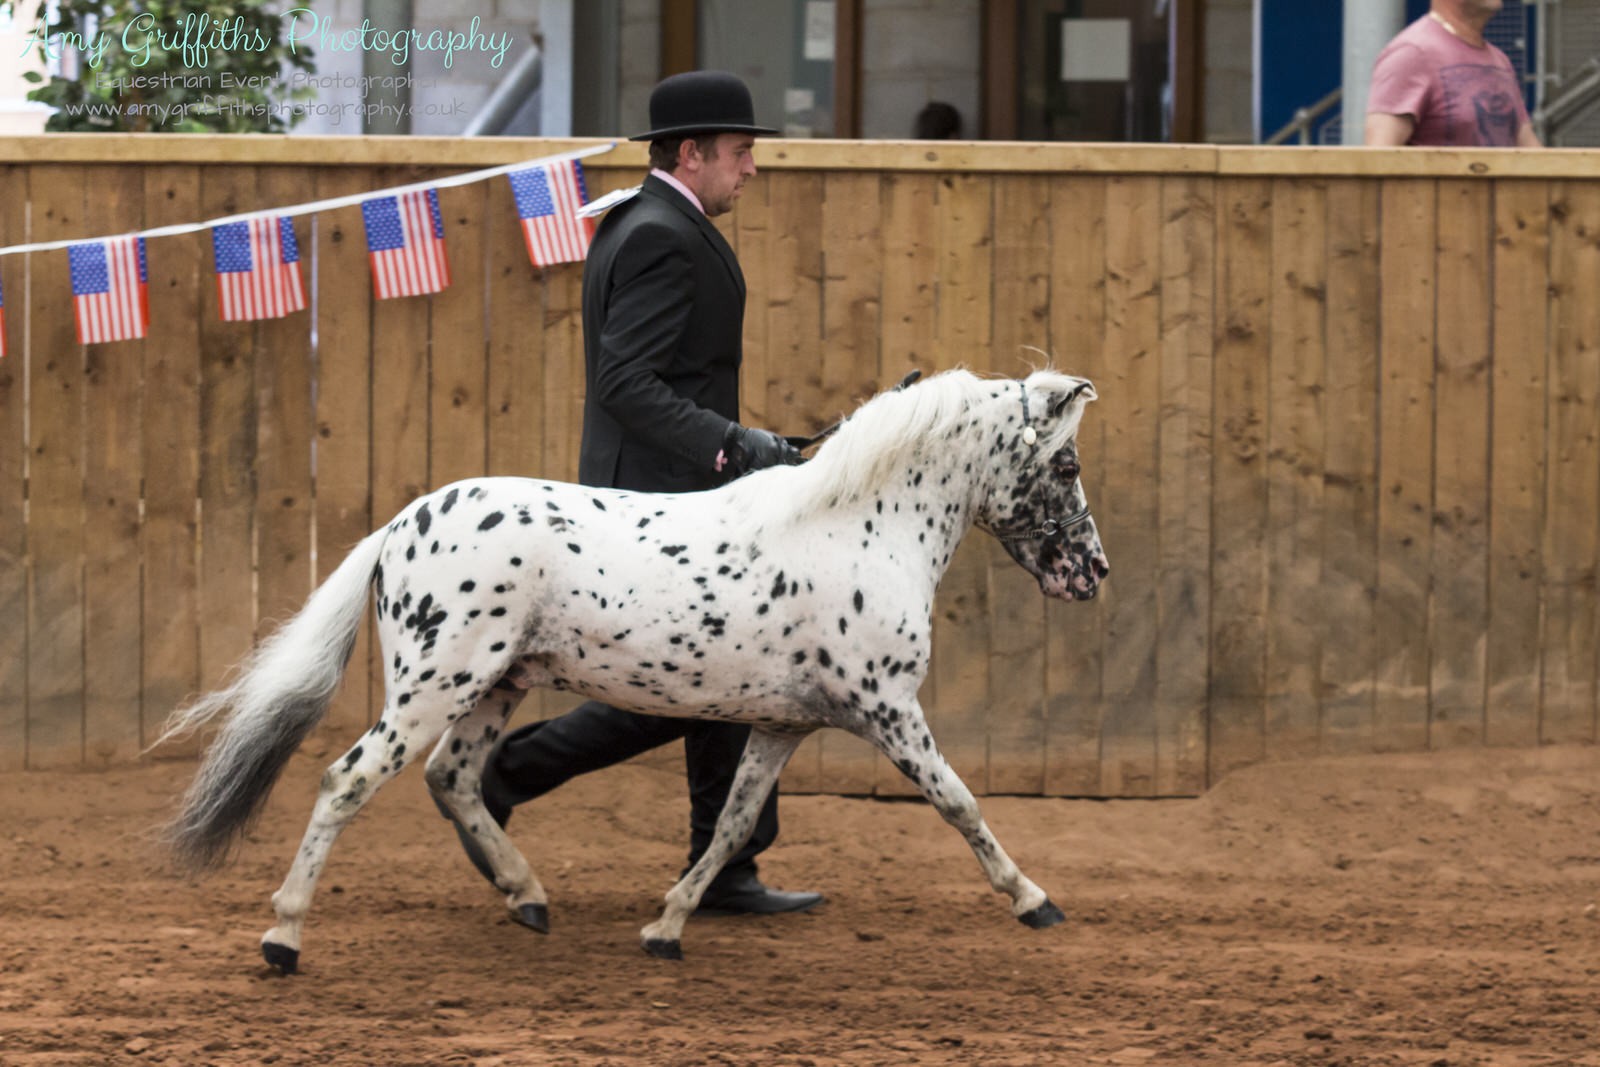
112	471
791	300
1239	475
852	254
1517	470
1015	726
170	535
400	403
342	416
13	466
1188	253
1405	462
1294	467
227	455
55	477
751	240
821	154
1348	660
458	371
1459	609
909	294
1074	632
964	261
1129	508
1572	509
516	340
284	433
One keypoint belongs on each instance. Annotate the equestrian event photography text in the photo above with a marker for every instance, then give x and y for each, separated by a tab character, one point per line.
195	37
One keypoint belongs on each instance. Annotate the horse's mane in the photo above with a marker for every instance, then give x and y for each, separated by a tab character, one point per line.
880	435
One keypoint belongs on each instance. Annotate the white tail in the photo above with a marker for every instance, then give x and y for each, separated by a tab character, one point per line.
278	694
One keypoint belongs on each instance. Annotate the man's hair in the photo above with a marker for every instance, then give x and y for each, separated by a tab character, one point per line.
664	153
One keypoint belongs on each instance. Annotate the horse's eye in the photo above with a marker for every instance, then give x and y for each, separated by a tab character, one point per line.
1066	465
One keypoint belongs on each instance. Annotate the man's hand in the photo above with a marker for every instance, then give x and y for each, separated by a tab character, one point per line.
749	449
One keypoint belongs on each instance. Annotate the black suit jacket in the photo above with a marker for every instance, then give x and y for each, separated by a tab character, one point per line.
663	320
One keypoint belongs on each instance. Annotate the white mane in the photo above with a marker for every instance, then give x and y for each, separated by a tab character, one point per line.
879	436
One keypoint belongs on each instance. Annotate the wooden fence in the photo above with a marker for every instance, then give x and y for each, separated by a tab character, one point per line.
1346	462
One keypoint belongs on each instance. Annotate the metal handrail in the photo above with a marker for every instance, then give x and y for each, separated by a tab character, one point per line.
1304	118
1577	97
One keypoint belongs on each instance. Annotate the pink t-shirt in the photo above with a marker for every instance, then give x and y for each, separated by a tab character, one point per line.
1459	95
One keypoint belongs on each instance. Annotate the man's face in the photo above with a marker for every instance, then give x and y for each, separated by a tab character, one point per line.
718	177
1481	9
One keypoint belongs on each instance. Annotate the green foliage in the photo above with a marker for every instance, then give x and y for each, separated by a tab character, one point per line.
140	71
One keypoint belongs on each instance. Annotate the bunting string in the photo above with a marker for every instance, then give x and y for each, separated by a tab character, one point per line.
314	206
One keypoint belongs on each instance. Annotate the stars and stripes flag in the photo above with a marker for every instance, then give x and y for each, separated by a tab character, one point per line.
548	199
405	242
258	268
109	280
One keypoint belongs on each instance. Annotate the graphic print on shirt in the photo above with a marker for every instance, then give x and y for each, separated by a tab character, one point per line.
1484	96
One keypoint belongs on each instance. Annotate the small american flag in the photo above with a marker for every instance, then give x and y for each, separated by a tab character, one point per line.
405	241
108	289
258	269
548	199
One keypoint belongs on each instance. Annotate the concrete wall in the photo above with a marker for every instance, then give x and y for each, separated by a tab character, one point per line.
1228	77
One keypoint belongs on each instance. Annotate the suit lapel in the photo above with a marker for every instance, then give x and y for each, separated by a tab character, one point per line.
712	235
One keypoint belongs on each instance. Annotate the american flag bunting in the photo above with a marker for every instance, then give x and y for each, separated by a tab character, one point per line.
258	268
109	280
405	242
548	199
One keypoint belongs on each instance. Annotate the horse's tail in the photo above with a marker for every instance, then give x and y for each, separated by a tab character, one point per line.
277	695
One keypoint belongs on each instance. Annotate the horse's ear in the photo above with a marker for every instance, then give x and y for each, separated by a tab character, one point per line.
1082	388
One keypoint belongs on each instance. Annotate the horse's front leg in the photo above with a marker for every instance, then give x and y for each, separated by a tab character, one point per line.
905	739
765	755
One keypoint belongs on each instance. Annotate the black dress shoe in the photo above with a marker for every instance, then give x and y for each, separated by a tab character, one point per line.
743	894
499	812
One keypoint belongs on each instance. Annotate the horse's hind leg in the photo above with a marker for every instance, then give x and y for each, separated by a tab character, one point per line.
905	739
347	785
455	776
765	755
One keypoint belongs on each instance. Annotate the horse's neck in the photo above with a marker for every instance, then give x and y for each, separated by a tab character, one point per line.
932	499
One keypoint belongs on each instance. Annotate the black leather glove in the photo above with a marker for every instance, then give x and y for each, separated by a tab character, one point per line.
749	449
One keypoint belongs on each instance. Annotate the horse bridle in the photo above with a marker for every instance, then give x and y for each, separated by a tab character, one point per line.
1051	528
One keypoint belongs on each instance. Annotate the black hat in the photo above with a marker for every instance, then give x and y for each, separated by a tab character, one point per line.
700	101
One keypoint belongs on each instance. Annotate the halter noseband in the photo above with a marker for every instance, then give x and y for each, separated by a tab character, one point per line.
1050	528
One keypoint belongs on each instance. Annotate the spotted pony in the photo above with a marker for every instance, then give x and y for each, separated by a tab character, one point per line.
792	599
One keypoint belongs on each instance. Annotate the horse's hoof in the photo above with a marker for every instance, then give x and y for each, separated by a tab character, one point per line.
535	917
1045	915
282	957
662	949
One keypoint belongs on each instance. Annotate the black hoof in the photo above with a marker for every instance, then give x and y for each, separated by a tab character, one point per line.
664	950
535	917
284	958
1045	915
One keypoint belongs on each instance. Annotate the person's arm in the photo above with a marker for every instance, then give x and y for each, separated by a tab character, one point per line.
1398	96
1388	131
1526	138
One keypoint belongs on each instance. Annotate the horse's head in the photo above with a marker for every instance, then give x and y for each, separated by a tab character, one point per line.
1037	507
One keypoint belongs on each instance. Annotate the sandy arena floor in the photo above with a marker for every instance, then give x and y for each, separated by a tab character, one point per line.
1435	909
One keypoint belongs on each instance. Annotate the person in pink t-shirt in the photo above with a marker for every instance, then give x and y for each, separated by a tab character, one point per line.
1439	82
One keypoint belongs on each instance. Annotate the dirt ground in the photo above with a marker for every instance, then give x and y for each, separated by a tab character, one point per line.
1437	909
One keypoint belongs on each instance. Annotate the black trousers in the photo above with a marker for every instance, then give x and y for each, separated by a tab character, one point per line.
534	759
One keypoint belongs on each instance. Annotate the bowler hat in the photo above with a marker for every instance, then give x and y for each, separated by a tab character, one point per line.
700	101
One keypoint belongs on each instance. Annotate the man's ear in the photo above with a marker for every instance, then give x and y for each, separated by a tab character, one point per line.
689	157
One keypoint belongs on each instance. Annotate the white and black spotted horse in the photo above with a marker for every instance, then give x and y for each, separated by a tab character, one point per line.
794	598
